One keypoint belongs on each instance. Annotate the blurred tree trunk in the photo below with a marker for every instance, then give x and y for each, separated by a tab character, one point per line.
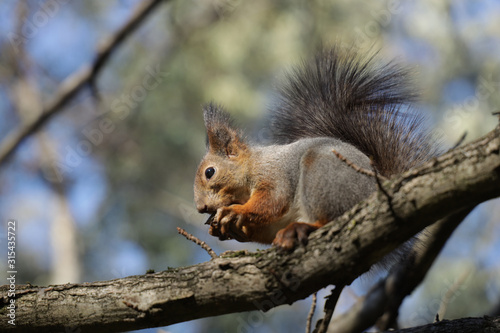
26	98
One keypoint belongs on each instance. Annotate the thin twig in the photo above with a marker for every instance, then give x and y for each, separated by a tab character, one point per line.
76	81
460	140
197	241
378	177
383	190
355	167
311	312
331	302
451	292
364	312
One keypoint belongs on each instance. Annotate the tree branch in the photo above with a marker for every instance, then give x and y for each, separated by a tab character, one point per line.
463	325
76	81
383	300
336	254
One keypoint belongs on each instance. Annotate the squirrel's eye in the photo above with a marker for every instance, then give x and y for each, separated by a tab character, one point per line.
209	172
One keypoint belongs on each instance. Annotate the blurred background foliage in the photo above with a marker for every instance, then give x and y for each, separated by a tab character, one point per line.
99	191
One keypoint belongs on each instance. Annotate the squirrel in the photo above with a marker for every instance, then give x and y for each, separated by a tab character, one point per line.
339	101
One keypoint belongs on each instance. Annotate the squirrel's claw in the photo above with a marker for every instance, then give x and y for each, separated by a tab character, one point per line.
215	231
227	224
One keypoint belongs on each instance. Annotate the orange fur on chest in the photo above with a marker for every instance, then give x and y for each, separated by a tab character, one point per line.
261	211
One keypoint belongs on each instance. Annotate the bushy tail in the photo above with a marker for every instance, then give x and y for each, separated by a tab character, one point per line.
343	95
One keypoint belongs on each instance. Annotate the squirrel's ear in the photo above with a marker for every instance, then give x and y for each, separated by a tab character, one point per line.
223	137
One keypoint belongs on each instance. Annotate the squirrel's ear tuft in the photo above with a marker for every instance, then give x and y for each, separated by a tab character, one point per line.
224	138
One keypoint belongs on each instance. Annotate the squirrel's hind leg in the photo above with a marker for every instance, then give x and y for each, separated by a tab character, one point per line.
328	187
297	232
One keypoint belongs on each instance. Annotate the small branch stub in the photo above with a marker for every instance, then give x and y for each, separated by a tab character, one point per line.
197	241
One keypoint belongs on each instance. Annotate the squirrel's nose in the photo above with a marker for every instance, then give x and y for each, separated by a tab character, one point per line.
202	208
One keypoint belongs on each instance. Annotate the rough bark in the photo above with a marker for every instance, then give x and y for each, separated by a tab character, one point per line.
336	254
463	325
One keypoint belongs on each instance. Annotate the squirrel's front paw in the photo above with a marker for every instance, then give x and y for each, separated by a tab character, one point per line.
228	224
